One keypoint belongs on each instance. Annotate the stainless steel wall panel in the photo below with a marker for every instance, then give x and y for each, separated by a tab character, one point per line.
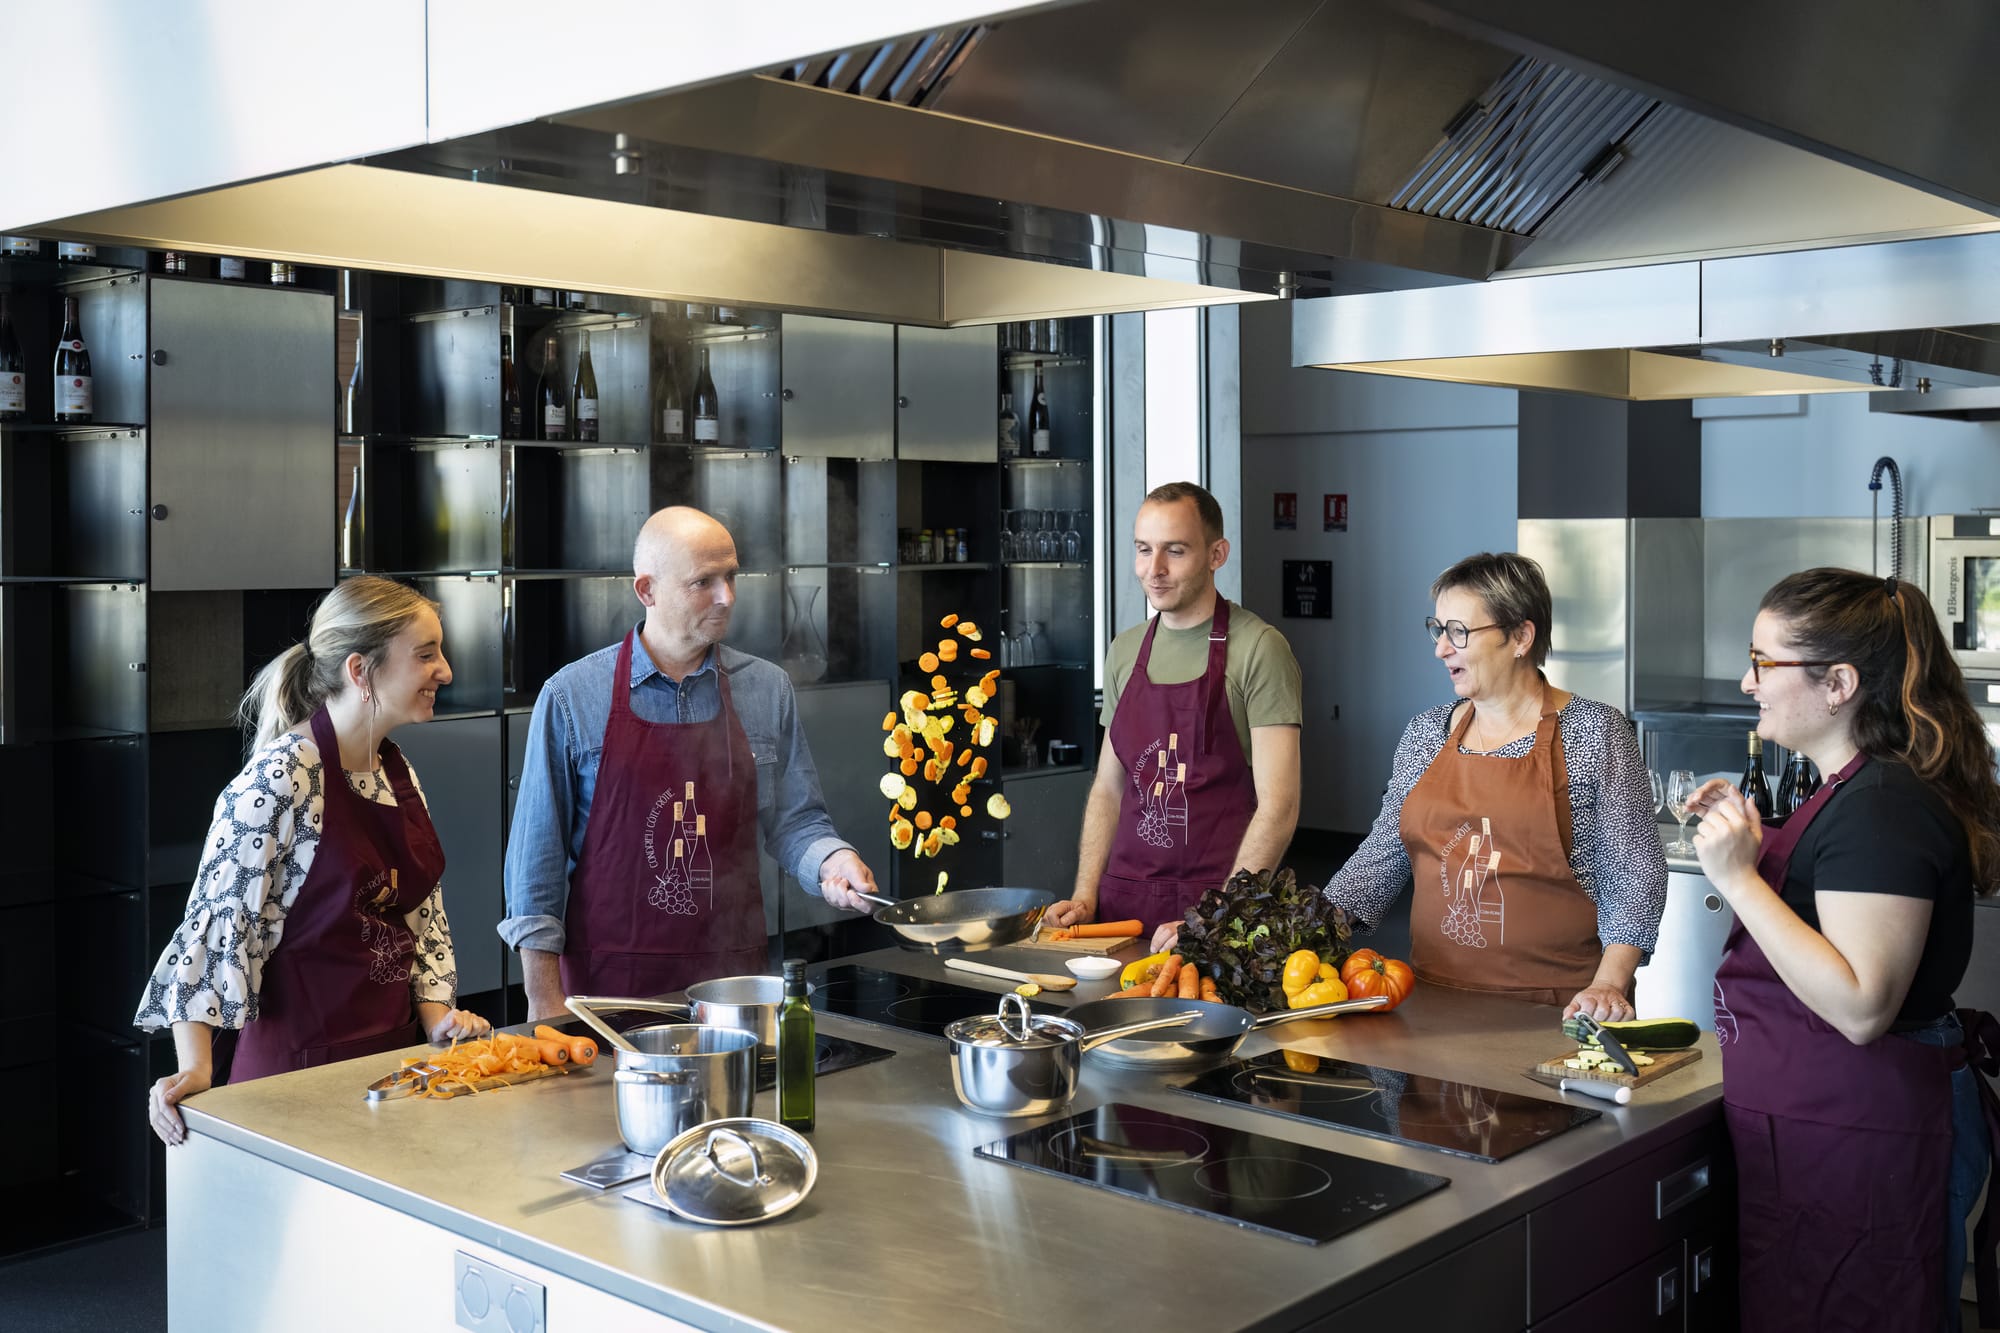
1951	280
1039	840
745	370
456	488
843	729
470	611
839	388
450	367
1745	556
603	501
1666	613
101	499
453	758
112	313
241	409
1586	561
741	493
946	384
100	677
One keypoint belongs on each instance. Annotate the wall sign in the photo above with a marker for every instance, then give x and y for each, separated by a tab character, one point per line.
1308	590
1336	513
1284	511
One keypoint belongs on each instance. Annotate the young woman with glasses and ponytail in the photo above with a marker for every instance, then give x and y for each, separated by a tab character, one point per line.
1851	1083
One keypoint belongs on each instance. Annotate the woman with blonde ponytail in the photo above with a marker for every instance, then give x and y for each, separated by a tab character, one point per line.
316	930
1851	1084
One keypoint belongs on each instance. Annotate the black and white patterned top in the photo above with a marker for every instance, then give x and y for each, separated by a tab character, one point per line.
260	847
1614	843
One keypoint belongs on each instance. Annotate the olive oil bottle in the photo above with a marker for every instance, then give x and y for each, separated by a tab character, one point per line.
798	1051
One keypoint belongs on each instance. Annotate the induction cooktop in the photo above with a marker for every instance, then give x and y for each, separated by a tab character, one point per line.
1458	1118
1284	1189
914	1004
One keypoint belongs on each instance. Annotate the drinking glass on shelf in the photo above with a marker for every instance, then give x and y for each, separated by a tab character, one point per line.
1072	540
1034	645
1659	791
1048	542
1027	530
1680	787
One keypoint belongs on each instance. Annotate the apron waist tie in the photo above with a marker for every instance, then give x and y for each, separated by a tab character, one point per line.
1982	1052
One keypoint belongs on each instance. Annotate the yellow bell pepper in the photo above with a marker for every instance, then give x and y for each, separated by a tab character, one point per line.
1328	972
1139	971
1320	992
1301	970
1301	1062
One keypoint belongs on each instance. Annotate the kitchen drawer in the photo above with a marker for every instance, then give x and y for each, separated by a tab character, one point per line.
1649	1297
1617	1220
1478	1288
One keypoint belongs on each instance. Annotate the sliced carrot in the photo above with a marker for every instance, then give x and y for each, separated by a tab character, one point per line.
981	654
948	621
947	650
909	768
965	810
949	821
928	662
923	819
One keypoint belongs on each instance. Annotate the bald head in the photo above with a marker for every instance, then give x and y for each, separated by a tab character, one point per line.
684	572
672	532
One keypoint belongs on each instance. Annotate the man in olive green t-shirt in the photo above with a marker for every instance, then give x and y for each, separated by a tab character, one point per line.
1199	774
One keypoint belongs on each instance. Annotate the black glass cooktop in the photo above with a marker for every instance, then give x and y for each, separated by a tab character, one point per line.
913	1004
835	1054
1457	1118
1283	1189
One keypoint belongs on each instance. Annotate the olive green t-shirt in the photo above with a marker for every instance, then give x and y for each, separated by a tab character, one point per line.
1262	674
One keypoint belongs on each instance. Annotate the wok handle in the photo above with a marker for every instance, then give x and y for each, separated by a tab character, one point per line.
1318	1011
1102	1035
874	898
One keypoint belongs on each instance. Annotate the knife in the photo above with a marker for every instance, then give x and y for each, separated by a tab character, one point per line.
1610	1044
1589	1087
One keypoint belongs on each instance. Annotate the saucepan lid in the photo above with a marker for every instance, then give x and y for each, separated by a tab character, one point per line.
1014	1026
736	1171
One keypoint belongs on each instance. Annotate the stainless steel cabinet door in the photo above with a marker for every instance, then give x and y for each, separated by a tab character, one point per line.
453	759
838	388
1039	837
242	437
947	391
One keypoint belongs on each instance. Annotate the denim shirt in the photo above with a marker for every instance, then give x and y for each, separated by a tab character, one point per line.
566	744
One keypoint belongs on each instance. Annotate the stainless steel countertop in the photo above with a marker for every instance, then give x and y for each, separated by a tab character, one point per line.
906	1228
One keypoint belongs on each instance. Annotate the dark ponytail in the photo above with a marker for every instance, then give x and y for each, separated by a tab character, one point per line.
1912	705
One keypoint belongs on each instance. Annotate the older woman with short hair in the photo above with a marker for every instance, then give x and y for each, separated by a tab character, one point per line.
1522	813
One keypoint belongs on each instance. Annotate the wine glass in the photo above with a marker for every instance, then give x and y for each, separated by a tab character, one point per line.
1048	542
1073	537
1659	791
1680	787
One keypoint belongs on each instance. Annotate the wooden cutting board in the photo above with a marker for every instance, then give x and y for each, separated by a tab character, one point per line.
1664	1062
1079	946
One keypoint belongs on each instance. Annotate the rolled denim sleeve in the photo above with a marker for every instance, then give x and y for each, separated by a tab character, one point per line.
798	832
539	861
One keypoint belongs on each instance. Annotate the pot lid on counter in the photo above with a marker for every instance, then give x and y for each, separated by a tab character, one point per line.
732	1172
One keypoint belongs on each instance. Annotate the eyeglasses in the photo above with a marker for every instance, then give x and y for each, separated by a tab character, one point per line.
1459	631
1758	665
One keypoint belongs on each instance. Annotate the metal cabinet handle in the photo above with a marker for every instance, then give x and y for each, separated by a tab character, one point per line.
1667	1290
159	356
786	394
902	400
1701	1270
1675	1192
160	512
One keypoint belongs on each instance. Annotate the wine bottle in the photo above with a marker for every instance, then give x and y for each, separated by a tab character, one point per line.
1810	783
13	369
74	399
583	395
174	262
1038	417
75	252
284	275
510	391
350	524
1010	428
1788	798
1753	784
230	268
554	404
670	402
707	407
798	1051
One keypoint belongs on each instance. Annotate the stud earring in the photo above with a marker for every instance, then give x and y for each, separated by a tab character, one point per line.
1832	708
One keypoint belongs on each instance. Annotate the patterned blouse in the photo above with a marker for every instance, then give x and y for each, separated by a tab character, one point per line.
1614	842
261	844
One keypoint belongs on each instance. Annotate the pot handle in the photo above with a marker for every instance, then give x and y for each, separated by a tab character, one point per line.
586	1007
1318	1011
1014	1009
1102	1035
758	1175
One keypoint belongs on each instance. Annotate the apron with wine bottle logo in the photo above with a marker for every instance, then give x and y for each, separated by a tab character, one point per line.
1189	794
1497	907
666	891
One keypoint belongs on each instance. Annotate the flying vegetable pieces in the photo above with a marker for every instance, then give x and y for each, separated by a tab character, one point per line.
927	759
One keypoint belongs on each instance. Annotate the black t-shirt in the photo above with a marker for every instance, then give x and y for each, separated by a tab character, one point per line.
1885	831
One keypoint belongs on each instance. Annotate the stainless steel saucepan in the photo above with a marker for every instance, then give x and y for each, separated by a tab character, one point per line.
748	1003
1219	1030
1018	1062
964	920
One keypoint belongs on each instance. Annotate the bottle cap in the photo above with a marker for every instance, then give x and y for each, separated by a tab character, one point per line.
795	969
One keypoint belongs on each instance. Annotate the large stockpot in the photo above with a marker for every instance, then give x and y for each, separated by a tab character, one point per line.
1216	1032
1017	1062
679	1075
964	920
750	1004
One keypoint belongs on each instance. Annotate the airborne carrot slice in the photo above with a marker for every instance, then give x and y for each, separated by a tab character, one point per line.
948	621
928	662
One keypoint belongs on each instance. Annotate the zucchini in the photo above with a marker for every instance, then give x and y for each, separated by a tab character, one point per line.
1641	1034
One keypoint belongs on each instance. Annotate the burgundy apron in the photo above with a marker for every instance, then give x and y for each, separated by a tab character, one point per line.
1497	907
1191	793
666	891
1842	1151
338	984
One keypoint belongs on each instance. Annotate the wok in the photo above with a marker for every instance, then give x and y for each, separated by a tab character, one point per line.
964	920
1217	1033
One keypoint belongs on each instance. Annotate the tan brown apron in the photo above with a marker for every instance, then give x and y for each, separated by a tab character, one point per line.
1497	907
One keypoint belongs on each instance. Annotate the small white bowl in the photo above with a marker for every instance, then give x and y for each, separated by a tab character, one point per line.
1093	968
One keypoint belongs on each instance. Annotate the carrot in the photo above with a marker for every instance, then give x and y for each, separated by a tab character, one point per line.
1143	989
1190	979
1208	990
1169	975
582	1050
1109	930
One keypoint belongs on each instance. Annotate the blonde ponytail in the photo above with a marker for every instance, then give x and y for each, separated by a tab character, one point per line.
362	615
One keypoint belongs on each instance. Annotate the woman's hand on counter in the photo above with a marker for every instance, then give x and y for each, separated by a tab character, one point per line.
169	1093
1727	839
453	1025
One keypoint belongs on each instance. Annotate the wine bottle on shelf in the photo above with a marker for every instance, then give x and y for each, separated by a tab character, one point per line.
798	1051
350	524
74	398
583	395
707	407
1788	798
13	369
1753	785
284	275
75	252
1010	427
174	262
1809	781
670	402
1038	417
553	403
510	391
230	268
541	296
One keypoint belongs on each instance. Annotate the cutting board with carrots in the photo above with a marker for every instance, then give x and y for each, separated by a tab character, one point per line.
1664	1062
1102	946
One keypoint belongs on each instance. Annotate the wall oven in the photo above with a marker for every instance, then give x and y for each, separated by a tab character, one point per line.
1964	587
